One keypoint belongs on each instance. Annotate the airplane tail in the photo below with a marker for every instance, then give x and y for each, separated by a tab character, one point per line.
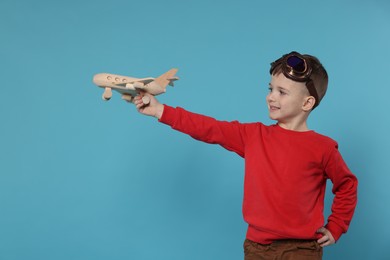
167	78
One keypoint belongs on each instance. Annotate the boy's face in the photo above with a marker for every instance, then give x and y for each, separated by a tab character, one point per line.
286	100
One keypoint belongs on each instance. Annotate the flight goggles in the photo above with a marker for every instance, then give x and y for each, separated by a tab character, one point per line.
294	66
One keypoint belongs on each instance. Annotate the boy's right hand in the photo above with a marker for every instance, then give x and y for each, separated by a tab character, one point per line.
154	108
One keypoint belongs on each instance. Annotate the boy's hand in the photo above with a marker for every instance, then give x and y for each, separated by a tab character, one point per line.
327	238
153	108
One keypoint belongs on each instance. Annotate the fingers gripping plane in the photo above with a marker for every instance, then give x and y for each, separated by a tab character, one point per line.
130	87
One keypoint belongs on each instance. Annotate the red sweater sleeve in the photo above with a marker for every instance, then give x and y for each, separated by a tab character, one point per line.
345	191
204	128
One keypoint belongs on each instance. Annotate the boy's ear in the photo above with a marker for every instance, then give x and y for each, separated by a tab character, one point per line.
309	103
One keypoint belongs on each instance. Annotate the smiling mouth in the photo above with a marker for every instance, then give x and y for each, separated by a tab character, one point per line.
273	108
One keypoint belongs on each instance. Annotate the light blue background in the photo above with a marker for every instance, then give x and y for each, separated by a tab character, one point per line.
85	179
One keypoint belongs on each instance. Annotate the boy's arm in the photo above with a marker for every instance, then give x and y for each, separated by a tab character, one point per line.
203	128
345	191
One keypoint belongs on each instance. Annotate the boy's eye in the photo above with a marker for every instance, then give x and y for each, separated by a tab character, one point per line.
282	93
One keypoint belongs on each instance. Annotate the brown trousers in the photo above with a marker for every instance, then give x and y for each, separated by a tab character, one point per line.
289	249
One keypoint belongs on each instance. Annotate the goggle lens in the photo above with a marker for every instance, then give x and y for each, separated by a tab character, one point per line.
297	64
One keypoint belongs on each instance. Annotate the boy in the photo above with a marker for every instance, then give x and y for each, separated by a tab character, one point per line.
286	164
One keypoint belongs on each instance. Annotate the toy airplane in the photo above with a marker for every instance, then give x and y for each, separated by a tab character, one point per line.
130	87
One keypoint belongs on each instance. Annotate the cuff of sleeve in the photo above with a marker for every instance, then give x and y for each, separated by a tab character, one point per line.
168	115
335	229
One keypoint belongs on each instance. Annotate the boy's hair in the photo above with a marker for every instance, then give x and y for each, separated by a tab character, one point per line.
317	74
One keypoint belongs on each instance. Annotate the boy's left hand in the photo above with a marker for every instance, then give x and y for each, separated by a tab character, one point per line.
327	237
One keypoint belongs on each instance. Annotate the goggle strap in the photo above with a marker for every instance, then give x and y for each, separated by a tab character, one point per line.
313	92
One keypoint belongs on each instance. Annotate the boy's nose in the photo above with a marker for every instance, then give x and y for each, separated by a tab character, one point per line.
270	97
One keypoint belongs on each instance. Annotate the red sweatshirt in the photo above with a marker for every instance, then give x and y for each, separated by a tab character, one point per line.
285	175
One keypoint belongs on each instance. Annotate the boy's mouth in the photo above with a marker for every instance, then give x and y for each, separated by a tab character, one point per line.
273	108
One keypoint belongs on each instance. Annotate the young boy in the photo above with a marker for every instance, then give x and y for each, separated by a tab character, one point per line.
286	164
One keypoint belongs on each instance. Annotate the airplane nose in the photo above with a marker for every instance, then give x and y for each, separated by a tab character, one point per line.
97	79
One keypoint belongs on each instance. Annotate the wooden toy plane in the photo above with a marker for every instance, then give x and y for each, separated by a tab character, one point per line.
130	87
